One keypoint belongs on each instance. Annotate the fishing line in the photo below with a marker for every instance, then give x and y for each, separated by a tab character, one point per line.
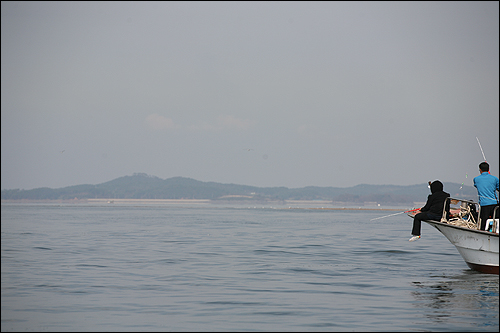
463	182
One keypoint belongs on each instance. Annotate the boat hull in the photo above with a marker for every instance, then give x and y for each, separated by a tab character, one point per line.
479	249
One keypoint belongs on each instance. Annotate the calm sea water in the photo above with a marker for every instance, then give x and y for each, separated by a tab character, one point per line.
211	268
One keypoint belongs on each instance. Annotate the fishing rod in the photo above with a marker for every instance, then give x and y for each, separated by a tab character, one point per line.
482	152
412	210
488	170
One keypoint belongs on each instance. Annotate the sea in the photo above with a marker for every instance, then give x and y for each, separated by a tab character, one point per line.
233	268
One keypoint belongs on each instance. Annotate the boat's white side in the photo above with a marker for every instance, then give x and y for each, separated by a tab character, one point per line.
478	248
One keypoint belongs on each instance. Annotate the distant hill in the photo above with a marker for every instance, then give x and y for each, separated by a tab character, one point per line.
143	186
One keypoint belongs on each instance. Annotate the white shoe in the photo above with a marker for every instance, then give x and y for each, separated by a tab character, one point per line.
414	238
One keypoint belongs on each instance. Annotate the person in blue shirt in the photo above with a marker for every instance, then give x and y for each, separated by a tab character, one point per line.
487	188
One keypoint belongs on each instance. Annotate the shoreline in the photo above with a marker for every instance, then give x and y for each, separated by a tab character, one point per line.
277	204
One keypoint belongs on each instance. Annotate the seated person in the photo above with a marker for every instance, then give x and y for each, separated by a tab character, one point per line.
433	209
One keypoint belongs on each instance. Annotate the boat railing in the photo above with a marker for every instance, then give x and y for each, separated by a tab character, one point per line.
463	213
495	219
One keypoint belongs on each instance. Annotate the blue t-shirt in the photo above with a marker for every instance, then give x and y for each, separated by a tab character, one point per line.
486	185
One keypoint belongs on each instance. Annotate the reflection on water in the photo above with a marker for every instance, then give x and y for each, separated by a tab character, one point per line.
462	295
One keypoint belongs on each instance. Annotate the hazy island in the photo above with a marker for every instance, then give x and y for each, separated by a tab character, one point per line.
143	186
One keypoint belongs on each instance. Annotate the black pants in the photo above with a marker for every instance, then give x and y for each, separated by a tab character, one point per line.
487	213
417	221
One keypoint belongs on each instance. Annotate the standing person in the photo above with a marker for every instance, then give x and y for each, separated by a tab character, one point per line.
487	186
433	209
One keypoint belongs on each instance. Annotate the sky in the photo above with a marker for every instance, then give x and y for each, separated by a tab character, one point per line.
265	94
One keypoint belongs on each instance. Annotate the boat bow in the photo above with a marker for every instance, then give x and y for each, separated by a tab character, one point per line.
478	248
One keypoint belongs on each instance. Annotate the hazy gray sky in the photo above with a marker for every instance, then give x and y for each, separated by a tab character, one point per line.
323	93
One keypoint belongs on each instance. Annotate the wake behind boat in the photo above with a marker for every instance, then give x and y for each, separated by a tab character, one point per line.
479	248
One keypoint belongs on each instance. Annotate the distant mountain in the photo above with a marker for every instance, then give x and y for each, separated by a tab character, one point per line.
143	186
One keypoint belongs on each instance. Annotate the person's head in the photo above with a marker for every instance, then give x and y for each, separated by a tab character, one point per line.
436	186
484	167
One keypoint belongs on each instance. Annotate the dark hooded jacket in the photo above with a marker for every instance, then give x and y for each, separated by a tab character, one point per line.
435	201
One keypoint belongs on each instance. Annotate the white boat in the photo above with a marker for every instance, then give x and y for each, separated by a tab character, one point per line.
479	248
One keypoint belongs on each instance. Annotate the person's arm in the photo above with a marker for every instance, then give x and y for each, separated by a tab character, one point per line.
447	208
427	205
498	190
